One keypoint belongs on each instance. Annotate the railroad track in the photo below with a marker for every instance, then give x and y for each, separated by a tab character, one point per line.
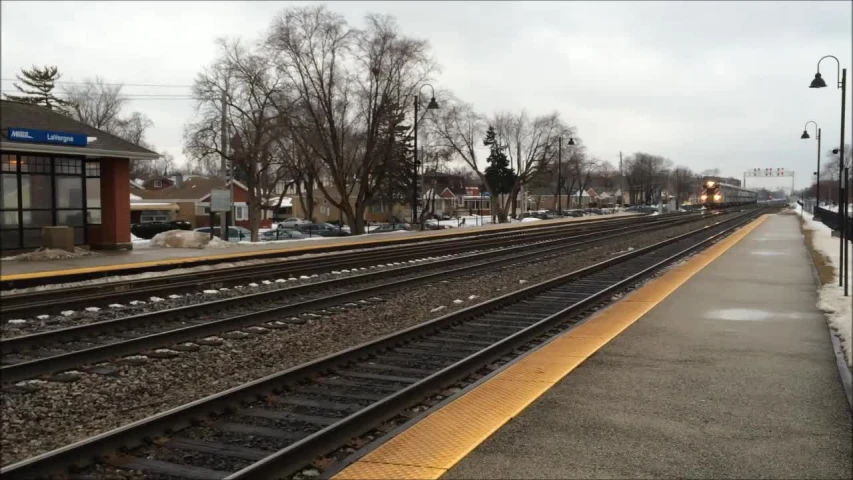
274	426
53	301
63	349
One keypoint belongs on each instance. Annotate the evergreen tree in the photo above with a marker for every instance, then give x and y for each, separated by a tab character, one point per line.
393	173
38	88
499	175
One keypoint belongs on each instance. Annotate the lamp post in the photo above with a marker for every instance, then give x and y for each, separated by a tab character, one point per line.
843	248
805	135
431	106
560	174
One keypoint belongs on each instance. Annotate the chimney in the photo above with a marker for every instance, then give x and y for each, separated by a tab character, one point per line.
179	180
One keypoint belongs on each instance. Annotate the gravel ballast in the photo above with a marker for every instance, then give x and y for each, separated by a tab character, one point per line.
56	413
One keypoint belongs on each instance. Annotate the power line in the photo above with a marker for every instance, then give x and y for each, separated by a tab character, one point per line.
131	96
163	85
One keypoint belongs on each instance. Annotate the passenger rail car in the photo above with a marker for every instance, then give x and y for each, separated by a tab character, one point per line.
721	195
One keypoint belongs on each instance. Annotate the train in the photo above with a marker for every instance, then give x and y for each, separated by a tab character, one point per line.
722	195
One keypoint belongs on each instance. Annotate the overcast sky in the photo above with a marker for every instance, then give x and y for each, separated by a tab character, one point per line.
706	84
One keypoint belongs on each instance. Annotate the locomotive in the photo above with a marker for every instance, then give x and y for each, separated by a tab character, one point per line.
721	195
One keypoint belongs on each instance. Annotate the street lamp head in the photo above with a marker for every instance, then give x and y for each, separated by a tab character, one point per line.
835	151
817	82
571	141
433	105
805	135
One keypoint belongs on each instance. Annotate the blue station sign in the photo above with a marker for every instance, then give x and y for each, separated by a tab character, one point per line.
47	136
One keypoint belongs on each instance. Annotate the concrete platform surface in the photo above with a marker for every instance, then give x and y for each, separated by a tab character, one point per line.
144	255
732	376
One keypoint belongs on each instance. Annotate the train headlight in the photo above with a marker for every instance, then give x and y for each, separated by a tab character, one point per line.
703	197
710	183
717	197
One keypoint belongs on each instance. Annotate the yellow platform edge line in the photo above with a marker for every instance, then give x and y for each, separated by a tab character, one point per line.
427	449
237	256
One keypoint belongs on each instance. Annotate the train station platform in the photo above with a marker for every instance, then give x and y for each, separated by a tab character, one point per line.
141	259
722	367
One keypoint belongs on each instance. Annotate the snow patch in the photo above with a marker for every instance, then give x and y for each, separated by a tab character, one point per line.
173	297
43	317
457	301
17	321
67	313
253	284
156	299
438	309
116	305
50	254
831	299
187	239
472	297
93	309
211	292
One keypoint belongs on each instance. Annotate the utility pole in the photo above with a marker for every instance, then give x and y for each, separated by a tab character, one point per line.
621	182
223	216
560	176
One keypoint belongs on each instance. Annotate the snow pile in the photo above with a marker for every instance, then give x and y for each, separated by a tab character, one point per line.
187	239
51	254
531	219
831	299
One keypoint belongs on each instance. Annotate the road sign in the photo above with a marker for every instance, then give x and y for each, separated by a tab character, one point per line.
220	200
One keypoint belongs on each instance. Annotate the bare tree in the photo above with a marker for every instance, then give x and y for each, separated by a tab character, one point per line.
646	176
348	85
96	103
99	105
460	130
684	181
256	109
606	172
531	146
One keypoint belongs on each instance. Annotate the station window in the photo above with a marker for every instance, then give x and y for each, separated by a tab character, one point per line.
34	164
68	166
9	163
93	192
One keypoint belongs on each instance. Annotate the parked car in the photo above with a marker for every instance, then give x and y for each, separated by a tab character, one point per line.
573	213
149	229
292	222
339	224
281	234
235	233
322	230
391	227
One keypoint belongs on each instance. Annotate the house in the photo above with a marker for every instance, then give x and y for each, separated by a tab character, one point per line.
189	200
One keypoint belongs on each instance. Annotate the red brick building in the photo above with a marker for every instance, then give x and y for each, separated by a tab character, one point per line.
59	172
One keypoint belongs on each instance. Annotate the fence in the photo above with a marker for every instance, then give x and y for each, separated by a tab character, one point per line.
833	220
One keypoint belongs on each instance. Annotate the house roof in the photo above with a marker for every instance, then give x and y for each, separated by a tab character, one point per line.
24	115
193	188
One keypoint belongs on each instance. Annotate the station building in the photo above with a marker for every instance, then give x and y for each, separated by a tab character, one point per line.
57	171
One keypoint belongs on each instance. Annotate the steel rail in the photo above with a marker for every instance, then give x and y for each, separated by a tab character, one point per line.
287	460
66	361
55	300
391	242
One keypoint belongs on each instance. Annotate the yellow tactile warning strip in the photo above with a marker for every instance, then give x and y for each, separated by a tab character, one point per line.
237	256
436	443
